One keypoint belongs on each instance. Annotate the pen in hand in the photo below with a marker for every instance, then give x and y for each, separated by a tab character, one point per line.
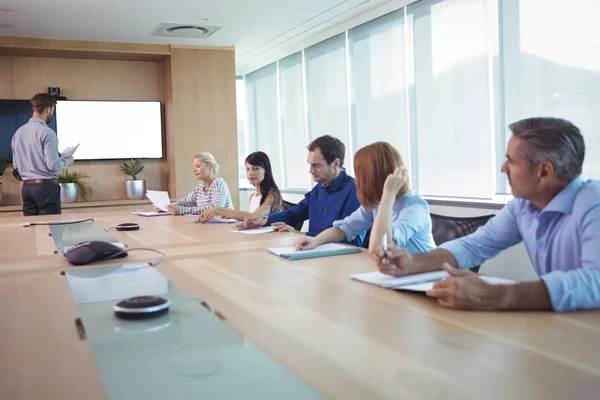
384	246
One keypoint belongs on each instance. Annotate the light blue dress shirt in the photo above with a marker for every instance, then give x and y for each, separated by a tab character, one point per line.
411	223
35	151
563	242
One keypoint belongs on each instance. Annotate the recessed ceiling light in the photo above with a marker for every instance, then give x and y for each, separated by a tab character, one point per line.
191	31
186	27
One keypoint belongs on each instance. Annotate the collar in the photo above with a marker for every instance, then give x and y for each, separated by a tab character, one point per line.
337	182
38	120
563	201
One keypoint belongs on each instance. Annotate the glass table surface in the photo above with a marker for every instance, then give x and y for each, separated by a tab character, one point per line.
186	353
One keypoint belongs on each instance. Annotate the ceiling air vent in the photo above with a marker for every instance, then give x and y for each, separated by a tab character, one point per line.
190	31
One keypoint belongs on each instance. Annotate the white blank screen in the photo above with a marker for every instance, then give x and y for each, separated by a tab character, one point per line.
110	129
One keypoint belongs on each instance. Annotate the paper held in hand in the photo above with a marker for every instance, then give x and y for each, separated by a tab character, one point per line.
159	198
69	151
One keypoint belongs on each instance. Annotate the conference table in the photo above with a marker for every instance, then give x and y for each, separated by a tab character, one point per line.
337	337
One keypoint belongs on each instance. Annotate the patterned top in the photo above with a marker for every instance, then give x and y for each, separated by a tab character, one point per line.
217	195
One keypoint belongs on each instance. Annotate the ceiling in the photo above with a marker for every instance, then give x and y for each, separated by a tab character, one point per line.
252	26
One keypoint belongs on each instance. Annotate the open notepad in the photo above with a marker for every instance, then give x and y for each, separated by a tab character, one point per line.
417	282
324	250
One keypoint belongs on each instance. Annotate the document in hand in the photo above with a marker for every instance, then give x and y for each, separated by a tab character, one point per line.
324	250
69	151
417	282
159	198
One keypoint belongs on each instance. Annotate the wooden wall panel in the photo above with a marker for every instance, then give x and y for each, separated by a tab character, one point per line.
88	80
7	78
204	114
170	132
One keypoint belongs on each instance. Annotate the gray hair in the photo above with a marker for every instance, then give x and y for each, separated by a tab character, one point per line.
209	159
555	140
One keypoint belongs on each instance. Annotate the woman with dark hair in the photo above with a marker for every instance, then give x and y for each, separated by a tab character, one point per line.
264	201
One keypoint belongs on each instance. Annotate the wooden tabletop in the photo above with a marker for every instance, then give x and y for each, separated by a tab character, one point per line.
347	339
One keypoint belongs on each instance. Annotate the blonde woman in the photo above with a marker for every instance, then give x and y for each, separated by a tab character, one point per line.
211	192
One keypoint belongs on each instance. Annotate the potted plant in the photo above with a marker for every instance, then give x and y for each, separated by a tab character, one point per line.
3	174
135	189
72	184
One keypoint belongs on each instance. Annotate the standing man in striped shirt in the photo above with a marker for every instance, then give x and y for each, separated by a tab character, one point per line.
36	157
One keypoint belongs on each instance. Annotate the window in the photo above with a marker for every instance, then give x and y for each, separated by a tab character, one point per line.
293	123
440	80
555	72
380	83
327	93
263	119
454	107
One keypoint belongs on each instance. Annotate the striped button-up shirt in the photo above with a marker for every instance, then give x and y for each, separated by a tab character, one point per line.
217	195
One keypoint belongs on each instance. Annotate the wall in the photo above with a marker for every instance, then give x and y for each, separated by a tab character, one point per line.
79	79
195	84
203	117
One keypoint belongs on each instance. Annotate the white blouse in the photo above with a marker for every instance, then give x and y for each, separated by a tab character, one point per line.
254	203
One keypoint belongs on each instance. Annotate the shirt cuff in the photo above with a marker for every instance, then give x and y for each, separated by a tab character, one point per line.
558	289
344	228
460	254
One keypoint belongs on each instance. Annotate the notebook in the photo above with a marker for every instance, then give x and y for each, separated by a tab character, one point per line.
417	282
324	250
150	213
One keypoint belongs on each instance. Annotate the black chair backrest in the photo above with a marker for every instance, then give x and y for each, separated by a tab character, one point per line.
445	228
286	205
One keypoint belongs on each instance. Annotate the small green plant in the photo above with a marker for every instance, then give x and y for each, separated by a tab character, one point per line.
133	169
3	166
77	177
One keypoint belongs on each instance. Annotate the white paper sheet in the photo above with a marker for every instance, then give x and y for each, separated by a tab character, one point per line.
418	282
151	213
256	231
159	198
69	151
324	248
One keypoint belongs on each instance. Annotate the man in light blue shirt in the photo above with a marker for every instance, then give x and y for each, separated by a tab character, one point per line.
36	157
555	213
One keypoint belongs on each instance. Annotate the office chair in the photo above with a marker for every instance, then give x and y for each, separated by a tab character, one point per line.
286	205
445	228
